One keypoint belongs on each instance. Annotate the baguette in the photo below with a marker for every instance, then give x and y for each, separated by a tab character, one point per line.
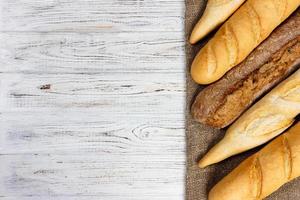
222	102
216	12
264	172
246	29
265	120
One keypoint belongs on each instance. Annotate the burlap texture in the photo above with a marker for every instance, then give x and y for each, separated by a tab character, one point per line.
200	138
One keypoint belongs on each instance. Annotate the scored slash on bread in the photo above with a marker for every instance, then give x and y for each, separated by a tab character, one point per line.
264	172
252	23
216	12
222	102
266	119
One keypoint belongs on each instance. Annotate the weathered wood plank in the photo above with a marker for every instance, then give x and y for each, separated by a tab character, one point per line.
92	15
92	129
91	53
112	93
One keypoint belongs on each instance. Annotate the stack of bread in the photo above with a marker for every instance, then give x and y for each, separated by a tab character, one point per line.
252	65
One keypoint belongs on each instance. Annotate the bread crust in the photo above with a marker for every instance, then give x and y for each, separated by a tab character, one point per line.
214	98
216	12
266	119
264	172
252	23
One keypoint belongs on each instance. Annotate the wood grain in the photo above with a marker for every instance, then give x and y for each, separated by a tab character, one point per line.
114	16
92	97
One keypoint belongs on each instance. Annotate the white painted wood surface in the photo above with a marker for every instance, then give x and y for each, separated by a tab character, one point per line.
92	97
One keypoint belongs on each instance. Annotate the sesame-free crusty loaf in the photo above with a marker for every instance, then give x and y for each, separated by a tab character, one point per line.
266	119
264	172
222	102
252	23
216	12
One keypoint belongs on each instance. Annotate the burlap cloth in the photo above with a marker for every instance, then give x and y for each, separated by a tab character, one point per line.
200	138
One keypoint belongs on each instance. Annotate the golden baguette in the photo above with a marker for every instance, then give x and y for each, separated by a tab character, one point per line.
264	172
239	35
216	12
269	117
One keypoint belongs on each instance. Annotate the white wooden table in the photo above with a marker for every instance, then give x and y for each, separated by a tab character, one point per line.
92	97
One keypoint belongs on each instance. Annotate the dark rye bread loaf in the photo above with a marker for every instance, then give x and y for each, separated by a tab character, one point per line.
222	102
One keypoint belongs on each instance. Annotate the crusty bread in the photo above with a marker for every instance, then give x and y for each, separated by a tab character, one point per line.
239	35
216	12
264	172
222	102
269	117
